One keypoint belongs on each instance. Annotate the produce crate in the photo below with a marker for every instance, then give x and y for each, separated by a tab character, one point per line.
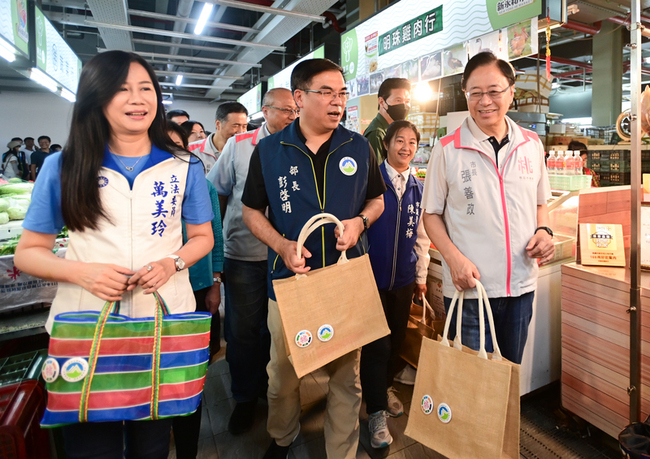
569	182
645	166
21	367
619	178
619	155
604	165
21	408
594	164
594	155
622	165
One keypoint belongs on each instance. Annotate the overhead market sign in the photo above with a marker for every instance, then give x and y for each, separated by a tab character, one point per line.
425	26
13	24
411	31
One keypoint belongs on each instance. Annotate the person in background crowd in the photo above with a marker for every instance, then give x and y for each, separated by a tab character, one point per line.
307	151
399	254
178	116
230	120
38	157
394	105
584	153
13	161
207	294
485	208
130	154
29	149
55	147
246	302
194	131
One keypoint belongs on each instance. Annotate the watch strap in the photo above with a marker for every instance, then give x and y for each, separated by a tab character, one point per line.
545	228
365	221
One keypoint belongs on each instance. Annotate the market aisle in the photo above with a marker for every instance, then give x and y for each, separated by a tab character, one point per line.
217	443
545	431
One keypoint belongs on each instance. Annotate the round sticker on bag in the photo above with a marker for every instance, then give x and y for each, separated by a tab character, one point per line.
444	413
74	369
325	332
303	338
426	404
50	370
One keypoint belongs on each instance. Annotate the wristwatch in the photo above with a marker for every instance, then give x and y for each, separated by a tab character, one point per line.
365	221
178	261
217	280
545	228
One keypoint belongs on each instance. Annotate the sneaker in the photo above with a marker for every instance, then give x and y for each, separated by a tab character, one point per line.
395	407
276	451
406	376
241	419
379	433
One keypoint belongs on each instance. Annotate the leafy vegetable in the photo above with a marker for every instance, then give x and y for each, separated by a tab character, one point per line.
9	247
16	213
4	204
11	189
4	218
15	180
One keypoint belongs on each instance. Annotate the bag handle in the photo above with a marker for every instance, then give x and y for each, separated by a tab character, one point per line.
426	306
483	301
111	307
315	222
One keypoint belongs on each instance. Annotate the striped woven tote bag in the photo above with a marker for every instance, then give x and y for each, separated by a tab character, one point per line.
103	366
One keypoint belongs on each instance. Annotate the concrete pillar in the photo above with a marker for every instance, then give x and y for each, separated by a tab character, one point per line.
607	74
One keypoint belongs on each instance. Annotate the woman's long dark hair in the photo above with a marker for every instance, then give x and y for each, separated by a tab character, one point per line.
81	159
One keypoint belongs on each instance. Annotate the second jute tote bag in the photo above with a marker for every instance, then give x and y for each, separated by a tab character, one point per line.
331	311
466	403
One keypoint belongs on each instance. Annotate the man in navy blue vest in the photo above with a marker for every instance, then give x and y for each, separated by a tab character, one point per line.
314	165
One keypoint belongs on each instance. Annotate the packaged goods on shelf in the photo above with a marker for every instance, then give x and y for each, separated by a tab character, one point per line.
528	82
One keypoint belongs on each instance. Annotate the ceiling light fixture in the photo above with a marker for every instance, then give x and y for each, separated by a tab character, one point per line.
423	92
203	19
42	79
179	79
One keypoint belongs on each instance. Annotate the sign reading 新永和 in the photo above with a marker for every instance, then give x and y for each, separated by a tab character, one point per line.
411	31
506	6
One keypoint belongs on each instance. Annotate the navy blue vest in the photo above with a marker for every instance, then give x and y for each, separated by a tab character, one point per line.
392	237
290	183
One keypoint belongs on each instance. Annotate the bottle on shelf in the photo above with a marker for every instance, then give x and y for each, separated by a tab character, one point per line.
550	163
560	163
570	167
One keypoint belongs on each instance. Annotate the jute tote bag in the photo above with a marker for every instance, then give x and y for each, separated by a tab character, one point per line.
466	403
422	323
331	311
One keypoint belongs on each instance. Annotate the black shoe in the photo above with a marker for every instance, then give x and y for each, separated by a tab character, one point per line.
241	419
276	451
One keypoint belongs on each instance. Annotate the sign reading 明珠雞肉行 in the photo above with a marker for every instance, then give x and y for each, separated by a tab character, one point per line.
411	31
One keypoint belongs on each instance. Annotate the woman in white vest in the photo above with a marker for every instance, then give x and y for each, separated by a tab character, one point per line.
121	186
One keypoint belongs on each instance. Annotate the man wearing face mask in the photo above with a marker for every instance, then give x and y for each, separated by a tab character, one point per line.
394	105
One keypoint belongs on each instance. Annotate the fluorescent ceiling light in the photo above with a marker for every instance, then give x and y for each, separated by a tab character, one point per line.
555	85
67	95
42	79
203	19
179	79
6	52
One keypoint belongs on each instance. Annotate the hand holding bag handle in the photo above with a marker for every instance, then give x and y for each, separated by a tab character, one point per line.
312	224
482	301
426	307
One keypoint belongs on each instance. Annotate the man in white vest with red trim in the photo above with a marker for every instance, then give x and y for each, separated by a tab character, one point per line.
245	269
485	208
231	119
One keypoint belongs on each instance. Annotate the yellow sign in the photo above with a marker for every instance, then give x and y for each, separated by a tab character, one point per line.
602	244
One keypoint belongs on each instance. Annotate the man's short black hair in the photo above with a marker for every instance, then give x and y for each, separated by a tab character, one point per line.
28	138
305	71
227	108
487	58
44	137
393	83
172	113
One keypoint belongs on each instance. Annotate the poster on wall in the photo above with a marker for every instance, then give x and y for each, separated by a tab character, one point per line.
13	24
410	70
363	85
402	31
489	42
54	56
454	59
431	66
519	41
352	118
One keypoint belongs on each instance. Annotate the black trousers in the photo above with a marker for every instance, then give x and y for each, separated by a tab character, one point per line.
380	360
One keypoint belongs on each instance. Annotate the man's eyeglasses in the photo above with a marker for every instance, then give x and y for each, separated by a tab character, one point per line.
478	95
330	95
287	111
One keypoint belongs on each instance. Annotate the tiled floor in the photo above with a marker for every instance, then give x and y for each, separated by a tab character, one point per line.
217	443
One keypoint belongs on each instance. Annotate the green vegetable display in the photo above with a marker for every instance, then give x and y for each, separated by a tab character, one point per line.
16	213
4	217
11	189
4	204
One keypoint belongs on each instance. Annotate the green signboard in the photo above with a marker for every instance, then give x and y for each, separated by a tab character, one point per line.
13	24
422	26
503	13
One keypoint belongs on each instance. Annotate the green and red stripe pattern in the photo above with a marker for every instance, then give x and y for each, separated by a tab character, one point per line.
139	369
